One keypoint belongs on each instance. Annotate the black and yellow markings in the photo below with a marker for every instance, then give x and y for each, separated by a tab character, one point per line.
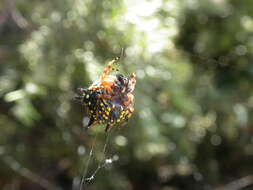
122	114
104	111
105	117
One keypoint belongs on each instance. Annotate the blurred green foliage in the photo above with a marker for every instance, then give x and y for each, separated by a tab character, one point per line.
192	126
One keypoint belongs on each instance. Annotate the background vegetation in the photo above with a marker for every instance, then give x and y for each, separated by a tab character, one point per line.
192	128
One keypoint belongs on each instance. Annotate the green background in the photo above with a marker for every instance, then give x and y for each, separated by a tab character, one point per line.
192	126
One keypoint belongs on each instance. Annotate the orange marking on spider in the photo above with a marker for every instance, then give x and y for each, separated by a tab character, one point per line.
110	99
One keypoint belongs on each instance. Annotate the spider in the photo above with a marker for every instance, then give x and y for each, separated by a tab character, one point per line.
109	100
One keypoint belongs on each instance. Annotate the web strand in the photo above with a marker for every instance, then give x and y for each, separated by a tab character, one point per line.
87	165
102	163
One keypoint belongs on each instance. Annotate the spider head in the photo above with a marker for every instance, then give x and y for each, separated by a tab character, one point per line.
131	83
122	79
126	84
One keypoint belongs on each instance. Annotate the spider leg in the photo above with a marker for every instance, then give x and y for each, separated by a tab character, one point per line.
81	90
106	96
131	109
91	123
130	99
108	127
108	68
79	98
109	90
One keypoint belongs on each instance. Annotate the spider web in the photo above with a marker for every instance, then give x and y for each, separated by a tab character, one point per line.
85	170
86	180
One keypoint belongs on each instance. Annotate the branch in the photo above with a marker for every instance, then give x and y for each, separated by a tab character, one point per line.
14	165
238	184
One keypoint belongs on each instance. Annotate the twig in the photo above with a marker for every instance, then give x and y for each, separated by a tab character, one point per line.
10	11
237	184
14	165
